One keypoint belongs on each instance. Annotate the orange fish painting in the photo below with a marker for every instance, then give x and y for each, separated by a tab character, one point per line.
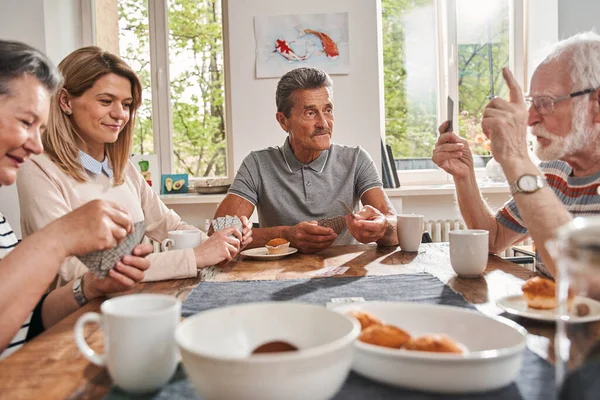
282	47
329	46
284	42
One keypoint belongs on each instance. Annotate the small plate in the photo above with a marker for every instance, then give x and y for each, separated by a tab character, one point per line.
261	253
517	305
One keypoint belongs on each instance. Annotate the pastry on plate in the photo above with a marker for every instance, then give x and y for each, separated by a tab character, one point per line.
277	246
366	320
384	335
540	293
438	343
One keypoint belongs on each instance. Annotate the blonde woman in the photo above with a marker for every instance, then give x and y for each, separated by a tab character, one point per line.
87	147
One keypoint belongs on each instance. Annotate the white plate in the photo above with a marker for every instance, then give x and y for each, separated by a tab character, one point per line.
261	253
517	305
495	349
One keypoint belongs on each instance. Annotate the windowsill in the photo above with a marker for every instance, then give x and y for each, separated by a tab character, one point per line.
446	189
192	198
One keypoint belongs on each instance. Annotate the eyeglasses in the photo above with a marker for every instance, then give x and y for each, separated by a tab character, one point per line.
545	104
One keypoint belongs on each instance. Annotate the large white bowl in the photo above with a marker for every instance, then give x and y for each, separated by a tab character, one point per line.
216	347
495	349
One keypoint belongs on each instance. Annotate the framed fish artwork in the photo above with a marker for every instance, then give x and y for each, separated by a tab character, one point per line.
285	42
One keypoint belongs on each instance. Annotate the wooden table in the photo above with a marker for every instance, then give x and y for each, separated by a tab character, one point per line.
51	366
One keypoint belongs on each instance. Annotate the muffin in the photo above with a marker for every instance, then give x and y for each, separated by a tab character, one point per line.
540	293
366	320
435	343
277	246
384	335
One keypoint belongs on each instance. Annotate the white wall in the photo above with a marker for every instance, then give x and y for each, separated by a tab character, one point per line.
23	20
577	16
357	96
543	32
52	26
62	23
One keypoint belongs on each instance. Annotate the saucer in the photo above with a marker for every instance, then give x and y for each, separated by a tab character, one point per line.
517	305
261	253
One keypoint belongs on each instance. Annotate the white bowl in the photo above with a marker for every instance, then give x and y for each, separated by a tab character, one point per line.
495	349
216	347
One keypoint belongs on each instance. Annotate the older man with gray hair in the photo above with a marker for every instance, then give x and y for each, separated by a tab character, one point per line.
294	185
564	117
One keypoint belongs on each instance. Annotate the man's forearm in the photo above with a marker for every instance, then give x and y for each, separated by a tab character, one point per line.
542	212
475	211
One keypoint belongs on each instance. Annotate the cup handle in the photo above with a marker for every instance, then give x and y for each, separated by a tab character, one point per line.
164	246
90	317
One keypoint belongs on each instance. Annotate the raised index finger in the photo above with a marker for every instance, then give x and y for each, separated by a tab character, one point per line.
516	94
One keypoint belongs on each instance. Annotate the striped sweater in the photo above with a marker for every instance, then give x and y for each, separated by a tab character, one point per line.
8	241
578	194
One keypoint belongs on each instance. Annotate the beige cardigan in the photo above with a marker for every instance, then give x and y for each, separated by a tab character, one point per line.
46	193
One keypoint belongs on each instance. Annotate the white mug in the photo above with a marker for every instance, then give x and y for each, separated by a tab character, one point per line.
139	340
410	231
184	239
469	252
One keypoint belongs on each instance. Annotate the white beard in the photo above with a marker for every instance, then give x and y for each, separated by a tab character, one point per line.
562	146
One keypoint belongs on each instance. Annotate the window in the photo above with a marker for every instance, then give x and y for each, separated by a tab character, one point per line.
410	79
482	42
180	44
134	48
432	49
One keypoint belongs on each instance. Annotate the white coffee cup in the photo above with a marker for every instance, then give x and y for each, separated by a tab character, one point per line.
469	252
184	239
139	340
410	231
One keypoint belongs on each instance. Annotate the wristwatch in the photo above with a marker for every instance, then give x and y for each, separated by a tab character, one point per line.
527	184
78	291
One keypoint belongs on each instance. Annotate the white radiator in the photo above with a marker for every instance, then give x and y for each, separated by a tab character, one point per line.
439	231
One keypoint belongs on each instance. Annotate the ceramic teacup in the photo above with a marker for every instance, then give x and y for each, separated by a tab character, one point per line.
469	252
183	239
139	338
410	231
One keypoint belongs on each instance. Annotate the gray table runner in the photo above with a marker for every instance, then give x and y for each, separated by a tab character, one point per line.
534	381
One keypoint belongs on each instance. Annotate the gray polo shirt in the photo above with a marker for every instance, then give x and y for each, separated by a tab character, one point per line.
286	192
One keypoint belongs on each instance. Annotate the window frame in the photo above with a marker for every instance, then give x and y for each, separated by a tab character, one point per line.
158	30
447	74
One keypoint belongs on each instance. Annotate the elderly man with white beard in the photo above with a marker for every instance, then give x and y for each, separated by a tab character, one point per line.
564	117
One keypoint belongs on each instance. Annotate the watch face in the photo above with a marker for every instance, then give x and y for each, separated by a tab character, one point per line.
528	183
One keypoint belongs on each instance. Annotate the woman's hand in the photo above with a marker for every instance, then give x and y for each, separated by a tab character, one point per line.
126	274
219	248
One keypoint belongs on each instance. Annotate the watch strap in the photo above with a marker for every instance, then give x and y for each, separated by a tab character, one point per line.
78	291
514	187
